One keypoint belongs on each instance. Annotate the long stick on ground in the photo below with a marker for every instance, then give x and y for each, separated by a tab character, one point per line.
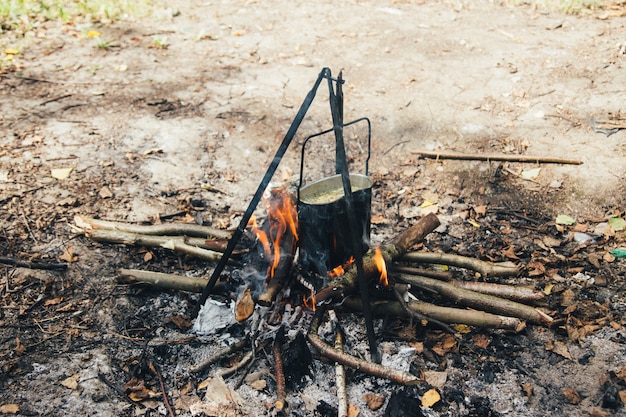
340	376
486	269
506	158
476	300
443	314
370	368
189	246
170	229
166	281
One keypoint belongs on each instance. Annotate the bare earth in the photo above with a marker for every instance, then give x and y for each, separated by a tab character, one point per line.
187	131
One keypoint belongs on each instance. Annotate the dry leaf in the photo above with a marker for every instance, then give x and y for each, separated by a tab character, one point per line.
244	306
71	382
105	192
572	395
9	408
622	396
61	173
509	252
181	322
68	256
531	174
430	398
436	379
528	389
374	401
480	340
559	348
19	347
53	301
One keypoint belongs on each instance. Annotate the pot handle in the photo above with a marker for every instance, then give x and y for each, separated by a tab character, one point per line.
369	146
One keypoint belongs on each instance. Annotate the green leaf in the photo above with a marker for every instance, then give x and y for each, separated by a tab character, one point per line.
619	253
565	219
617	223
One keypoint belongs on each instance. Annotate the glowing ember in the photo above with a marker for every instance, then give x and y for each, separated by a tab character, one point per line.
310	302
381	266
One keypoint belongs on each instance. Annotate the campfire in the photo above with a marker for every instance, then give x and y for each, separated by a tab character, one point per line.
312	254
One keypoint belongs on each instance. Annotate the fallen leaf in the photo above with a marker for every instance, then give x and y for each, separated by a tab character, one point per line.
430	398
11	51
61	173
9	408
617	223
53	301
68	256
622	396
436	379
509	252
551	242
559	348
564	219
259	384
244	306
547	290
528	389
530	174
105	192
480	210
94	34
480	340
19	347
378	219
71	382
181	322
463	328
374	401
572	395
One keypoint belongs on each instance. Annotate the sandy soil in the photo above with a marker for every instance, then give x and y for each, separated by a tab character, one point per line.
185	112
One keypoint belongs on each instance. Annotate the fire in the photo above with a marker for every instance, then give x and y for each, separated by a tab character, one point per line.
309	302
282	218
341	269
379	261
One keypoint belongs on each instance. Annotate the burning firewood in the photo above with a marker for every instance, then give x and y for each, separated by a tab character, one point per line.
373	261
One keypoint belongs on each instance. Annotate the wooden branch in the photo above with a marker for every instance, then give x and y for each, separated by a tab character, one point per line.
168	229
281	392
210	360
348	282
444	314
371	368
340	378
480	301
484	268
32	265
519	293
189	246
167	281
506	158
441	275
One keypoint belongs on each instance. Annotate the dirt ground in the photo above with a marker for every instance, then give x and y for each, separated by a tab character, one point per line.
177	118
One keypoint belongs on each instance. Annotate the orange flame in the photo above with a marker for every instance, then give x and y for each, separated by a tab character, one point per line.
282	217
310	304
379	261
341	269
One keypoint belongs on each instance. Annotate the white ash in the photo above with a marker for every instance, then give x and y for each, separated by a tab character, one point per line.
213	317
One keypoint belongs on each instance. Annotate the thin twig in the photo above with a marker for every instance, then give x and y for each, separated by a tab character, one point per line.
370	368
484	268
167	281
118	391
155	370
340	376
210	360
281	392
451	315
169	229
508	158
417	314
442	275
32	265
